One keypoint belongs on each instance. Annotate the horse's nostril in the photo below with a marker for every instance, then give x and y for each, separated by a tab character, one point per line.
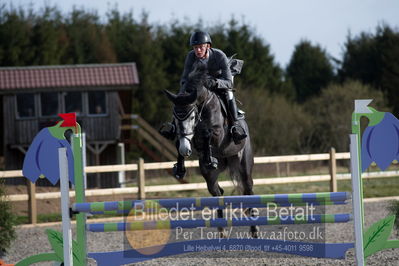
185	147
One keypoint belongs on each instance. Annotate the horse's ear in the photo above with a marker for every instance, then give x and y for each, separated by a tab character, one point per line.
171	96
192	97
186	98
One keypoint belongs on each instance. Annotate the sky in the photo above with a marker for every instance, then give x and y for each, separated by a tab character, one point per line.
280	23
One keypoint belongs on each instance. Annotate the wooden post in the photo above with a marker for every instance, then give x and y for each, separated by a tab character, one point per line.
333	171
141	179
32	209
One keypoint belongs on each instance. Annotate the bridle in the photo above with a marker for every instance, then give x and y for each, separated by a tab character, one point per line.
182	116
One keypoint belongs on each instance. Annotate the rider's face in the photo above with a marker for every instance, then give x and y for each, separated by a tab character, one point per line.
201	50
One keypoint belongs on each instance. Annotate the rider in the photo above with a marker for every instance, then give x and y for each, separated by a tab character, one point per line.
219	78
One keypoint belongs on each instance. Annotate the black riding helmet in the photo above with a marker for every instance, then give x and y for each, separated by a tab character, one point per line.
200	37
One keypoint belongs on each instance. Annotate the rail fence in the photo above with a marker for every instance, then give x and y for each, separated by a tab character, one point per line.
141	189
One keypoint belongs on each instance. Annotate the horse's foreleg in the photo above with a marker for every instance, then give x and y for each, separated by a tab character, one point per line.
179	171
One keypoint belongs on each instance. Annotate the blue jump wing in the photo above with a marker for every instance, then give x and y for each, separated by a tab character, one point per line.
41	160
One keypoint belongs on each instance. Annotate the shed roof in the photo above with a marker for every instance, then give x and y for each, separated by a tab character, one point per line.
122	75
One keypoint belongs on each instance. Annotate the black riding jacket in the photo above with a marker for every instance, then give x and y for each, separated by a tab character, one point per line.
217	65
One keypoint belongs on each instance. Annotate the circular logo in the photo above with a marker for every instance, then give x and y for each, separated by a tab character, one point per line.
149	227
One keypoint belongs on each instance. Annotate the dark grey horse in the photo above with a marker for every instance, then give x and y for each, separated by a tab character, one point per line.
201	122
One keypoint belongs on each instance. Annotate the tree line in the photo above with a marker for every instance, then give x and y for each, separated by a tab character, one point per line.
303	107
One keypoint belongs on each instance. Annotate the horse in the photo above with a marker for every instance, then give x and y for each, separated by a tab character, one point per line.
202	122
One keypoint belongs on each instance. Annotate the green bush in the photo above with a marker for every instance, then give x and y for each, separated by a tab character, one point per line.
276	125
331	111
7	221
394	209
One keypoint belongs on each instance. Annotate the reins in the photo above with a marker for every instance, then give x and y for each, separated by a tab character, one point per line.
207	100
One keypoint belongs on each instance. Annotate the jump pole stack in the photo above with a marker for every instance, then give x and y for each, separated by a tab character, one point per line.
322	198
298	199
260	201
366	243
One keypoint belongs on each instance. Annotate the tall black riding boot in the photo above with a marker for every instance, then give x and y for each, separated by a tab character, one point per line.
237	131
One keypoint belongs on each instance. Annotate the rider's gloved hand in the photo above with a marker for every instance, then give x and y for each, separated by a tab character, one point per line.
210	83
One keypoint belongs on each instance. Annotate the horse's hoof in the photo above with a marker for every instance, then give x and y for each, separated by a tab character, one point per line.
179	172
255	231
223	233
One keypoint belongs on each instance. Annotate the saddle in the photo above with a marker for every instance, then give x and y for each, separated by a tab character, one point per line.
235	66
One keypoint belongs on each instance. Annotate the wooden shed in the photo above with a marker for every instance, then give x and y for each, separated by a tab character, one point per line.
32	97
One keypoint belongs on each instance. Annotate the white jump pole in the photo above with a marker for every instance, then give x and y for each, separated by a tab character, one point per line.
357	199
66	221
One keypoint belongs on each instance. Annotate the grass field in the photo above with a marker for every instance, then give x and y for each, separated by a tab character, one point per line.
379	187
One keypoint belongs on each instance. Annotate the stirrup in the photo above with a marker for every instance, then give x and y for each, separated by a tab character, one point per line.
238	133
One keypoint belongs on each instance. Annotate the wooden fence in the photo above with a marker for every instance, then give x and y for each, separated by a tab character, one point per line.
142	189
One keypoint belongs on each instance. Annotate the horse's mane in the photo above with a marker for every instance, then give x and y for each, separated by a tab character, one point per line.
196	78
